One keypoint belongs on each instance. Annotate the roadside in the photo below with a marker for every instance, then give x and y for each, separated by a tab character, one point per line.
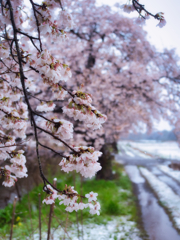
117	219
156	186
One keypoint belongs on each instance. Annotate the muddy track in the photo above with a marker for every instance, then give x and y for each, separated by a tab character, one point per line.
154	218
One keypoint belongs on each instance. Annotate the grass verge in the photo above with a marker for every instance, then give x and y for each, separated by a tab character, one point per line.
116	199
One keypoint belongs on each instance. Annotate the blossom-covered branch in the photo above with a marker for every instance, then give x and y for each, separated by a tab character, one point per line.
23	55
144	14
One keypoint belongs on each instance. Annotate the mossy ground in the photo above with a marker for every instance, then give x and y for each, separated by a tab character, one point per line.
115	196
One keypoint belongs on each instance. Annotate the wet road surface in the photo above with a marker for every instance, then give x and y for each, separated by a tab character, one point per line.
155	219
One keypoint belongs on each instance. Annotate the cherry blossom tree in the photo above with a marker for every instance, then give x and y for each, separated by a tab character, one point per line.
119	69
130	80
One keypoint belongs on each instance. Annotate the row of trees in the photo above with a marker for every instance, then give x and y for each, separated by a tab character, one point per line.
107	58
131	82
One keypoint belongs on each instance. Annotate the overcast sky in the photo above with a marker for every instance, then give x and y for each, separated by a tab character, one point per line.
166	37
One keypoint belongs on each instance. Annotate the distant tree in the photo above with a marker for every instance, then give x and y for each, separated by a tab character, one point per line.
132	83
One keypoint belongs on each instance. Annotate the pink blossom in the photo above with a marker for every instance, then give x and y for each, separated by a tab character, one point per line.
128	8
45	107
85	163
94	209
161	23
85	112
91	196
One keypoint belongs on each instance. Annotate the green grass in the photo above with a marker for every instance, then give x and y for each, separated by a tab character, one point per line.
115	197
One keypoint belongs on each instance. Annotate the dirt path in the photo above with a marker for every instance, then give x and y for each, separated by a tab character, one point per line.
155	219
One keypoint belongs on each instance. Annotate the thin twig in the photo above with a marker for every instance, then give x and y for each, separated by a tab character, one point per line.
139	7
50	215
39	216
43	130
29	206
81	192
37	24
52	150
13	216
20	61
65	230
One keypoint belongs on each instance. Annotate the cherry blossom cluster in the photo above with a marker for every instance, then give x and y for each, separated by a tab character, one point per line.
12	121
84	161
48	22
58	91
160	17
128	8
29	67
82	98
13	115
17	159
51	70
58	127
80	108
46	107
9	179
10	91
70	198
4	49
7	144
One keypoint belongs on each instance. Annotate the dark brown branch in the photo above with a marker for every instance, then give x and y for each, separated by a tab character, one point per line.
37	24
14	145
22	78
41	100
52	150
36	70
10	115
43	130
38	114
8	67
139	7
32	113
27	35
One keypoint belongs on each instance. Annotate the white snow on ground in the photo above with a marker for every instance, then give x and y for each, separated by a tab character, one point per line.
169	171
119	228
127	149
167	150
126	146
134	175
165	194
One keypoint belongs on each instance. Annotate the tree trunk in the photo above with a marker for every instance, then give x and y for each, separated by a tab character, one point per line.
106	161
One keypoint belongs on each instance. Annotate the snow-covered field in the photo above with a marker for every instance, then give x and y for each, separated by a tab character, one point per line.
151	149
134	175
169	171
165	194
119	228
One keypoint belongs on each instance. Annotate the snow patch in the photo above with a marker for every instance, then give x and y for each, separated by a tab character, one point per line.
134	175
169	171
165	194
152	149
119	228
